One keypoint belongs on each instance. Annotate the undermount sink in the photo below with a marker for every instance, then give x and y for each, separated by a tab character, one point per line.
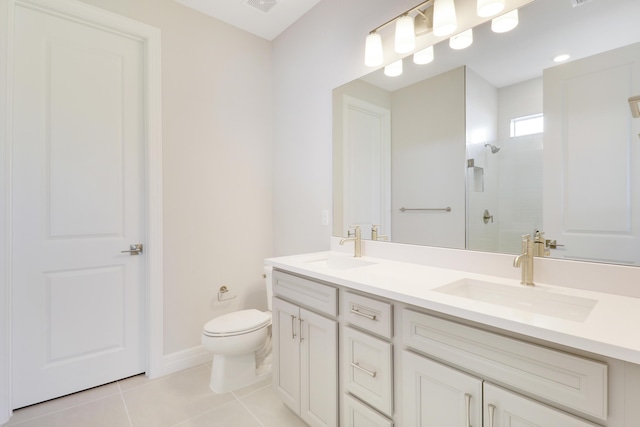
340	262
529	299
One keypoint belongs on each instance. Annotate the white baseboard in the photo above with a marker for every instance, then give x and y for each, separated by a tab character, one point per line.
184	359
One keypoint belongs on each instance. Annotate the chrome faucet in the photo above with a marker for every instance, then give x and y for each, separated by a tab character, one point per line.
356	239
374	233
525	260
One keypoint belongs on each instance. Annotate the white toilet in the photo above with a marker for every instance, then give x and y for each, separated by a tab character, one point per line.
241	346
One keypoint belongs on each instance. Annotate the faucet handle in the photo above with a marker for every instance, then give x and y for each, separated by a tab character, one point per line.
355	227
526	237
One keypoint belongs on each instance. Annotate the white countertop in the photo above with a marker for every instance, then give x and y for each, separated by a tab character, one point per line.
611	329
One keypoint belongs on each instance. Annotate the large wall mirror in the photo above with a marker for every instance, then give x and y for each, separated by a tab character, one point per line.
489	143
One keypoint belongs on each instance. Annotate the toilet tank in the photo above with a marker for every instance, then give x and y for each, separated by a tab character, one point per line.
268	276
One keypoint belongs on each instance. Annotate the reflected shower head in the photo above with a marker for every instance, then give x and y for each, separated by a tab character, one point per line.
494	149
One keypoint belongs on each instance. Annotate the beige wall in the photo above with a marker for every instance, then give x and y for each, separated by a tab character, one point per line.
217	103
428	161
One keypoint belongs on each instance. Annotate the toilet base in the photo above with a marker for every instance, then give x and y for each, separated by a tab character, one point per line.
230	373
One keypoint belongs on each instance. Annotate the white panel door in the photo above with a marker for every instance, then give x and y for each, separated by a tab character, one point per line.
503	408
78	192
592	158
437	395
366	166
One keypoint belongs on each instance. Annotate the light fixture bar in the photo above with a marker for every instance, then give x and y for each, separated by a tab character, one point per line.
428	3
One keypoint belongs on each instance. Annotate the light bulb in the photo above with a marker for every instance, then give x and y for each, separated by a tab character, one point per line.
486	8
405	35
394	69
462	40
506	22
423	56
373	50
444	18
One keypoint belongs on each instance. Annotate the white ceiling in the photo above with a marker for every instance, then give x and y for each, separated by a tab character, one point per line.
253	19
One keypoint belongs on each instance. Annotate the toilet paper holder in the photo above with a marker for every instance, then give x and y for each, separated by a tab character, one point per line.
223	290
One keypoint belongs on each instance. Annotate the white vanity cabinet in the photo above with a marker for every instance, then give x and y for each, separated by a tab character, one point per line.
367	361
305	348
437	395
549	375
402	365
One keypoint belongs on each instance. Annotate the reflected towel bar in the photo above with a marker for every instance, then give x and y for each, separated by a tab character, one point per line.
447	209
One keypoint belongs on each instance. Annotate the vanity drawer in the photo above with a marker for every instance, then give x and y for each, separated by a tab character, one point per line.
356	414
368	369
317	296
566	379
367	313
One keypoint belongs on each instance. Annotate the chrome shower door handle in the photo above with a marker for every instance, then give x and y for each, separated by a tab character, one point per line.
133	249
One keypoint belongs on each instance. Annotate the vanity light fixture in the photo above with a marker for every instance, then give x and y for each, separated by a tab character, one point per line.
394	69
445	21
406	28
506	22
486	8
436	15
424	56
462	40
373	55
405	40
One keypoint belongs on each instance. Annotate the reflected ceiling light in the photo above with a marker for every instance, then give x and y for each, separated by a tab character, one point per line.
462	40
561	58
405	35
373	55
506	22
444	17
424	56
486	8
394	69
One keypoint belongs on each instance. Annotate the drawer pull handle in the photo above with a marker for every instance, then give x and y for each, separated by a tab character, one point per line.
366	371
355	311
467	398
492	409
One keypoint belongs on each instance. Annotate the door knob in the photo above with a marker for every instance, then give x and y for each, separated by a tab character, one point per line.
134	249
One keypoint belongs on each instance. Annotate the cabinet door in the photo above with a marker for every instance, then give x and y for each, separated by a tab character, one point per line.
437	395
286	353
368	369
319	371
503	408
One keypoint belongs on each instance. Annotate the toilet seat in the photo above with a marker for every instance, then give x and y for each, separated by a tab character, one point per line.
237	323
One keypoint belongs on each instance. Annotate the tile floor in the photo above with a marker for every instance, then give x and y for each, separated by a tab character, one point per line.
182	399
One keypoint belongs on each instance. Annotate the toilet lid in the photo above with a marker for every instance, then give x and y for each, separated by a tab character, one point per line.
237	322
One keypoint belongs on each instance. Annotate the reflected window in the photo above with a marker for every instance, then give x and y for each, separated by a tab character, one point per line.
527	125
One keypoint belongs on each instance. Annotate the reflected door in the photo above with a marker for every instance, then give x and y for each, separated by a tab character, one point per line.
592	158
366	166
77	186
